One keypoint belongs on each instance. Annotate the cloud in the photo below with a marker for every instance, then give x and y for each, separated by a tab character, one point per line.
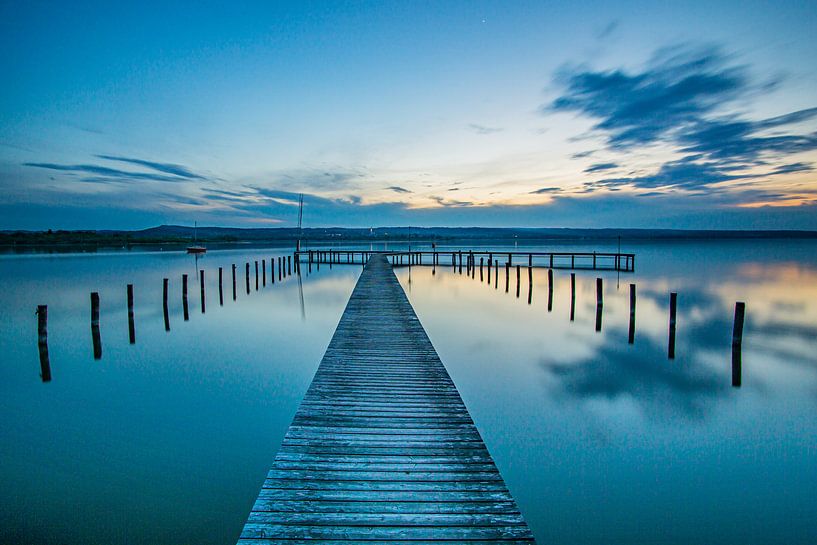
168	168
103	174
607	30
398	189
545	190
598	167
583	154
482	129
678	100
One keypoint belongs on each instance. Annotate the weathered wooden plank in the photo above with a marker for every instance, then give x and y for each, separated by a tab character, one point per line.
382	448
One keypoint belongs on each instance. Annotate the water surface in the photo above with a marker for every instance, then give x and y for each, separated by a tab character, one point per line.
600	441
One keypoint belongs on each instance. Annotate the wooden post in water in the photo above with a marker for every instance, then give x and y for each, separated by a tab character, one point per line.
530	284
184	298
496	274
220	287
131	325
280	269
530	260
673	300
97	341
599	303
517	281
572	296
164	304
550	290
480	268
737	343
247	277
631	332
256	275
289	265
233	281
507	276
489	271
42	342
201	289
263	272
459	254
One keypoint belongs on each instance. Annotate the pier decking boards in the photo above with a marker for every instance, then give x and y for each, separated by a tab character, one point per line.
382	448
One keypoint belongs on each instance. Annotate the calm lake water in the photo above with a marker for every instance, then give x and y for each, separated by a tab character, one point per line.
169	439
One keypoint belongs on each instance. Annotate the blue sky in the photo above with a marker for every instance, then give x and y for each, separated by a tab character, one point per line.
581	114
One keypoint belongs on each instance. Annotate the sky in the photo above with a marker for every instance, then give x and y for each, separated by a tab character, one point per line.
692	115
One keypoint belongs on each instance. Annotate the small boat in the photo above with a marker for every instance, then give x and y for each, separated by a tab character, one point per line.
196	248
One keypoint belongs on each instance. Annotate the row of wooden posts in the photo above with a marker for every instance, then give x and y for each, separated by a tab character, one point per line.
553	260
285	267
737	328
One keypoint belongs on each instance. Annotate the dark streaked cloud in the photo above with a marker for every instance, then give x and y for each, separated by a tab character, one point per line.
598	167
482	129
168	168
546	190
398	189
103	174
583	154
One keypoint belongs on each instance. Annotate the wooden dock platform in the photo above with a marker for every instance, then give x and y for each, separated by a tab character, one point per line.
382	448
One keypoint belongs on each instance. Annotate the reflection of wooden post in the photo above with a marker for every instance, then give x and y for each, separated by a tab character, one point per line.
631	333
673	299
95	326
184	298
737	343
131	325
220	287
530	284
42	342
550	290
164	304
247	277
201	289
572	296
599	303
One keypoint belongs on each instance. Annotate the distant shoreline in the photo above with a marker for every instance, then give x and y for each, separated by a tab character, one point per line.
178	237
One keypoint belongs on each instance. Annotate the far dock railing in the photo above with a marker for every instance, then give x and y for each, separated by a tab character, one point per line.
622	262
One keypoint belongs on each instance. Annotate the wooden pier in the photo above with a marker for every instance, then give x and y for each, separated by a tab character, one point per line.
382	448
622	262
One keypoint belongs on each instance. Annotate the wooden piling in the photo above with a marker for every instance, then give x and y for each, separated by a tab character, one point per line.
184	298
201	290
247	277
517	281
289	265
131	325
280	269
234	294
164	304
97	341
507	276
572	296
673	300
550	290
480	268
737	344
263	272
496	274
42	342
530	284
599	303
631	332
460	260
489	271
220	287
256	275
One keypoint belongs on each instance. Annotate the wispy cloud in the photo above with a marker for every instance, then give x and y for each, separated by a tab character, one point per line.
103	174
482	129
168	168
398	189
599	167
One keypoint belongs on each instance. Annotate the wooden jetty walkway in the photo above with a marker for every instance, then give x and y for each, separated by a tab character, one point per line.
382	448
